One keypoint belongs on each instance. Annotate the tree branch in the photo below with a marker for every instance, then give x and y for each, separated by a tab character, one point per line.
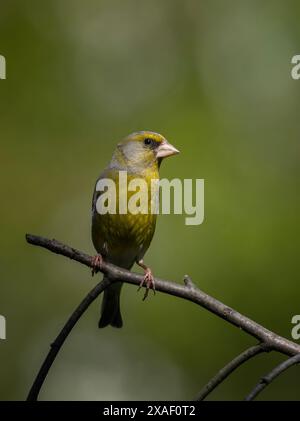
230	367
269	340
60	339
267	379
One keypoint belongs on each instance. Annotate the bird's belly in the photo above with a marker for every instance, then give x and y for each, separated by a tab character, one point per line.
122	238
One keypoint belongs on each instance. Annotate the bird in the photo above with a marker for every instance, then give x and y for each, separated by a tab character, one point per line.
123	238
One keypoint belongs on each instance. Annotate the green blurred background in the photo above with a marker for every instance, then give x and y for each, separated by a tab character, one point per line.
214	78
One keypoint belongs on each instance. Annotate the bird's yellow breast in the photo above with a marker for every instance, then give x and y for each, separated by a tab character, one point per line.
126	233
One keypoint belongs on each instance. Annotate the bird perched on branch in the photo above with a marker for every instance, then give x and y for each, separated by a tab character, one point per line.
122	238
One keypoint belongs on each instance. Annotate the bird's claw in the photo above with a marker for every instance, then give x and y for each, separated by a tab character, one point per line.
96	263
148	281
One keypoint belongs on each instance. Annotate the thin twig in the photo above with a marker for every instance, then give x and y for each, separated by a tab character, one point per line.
268	339
229	368
268	378
188	282
195	295
57	344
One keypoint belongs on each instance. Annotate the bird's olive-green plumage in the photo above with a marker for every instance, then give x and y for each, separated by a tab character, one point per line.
123	239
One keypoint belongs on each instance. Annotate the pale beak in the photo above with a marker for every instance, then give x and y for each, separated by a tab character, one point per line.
166	149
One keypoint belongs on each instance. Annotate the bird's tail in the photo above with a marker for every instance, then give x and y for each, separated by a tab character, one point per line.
110	308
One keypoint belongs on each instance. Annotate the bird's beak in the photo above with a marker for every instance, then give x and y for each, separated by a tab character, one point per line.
166	149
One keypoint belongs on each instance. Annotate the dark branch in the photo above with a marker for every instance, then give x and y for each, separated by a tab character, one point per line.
266	380
188	292
57	344
269	340
229	368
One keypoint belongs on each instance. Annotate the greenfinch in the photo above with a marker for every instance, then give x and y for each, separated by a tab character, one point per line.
123	238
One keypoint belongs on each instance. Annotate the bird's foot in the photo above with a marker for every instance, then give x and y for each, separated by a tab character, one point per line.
96	263
147	281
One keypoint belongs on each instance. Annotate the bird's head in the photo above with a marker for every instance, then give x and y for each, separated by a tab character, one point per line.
141	150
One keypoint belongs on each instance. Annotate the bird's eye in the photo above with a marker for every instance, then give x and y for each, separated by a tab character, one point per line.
148	141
